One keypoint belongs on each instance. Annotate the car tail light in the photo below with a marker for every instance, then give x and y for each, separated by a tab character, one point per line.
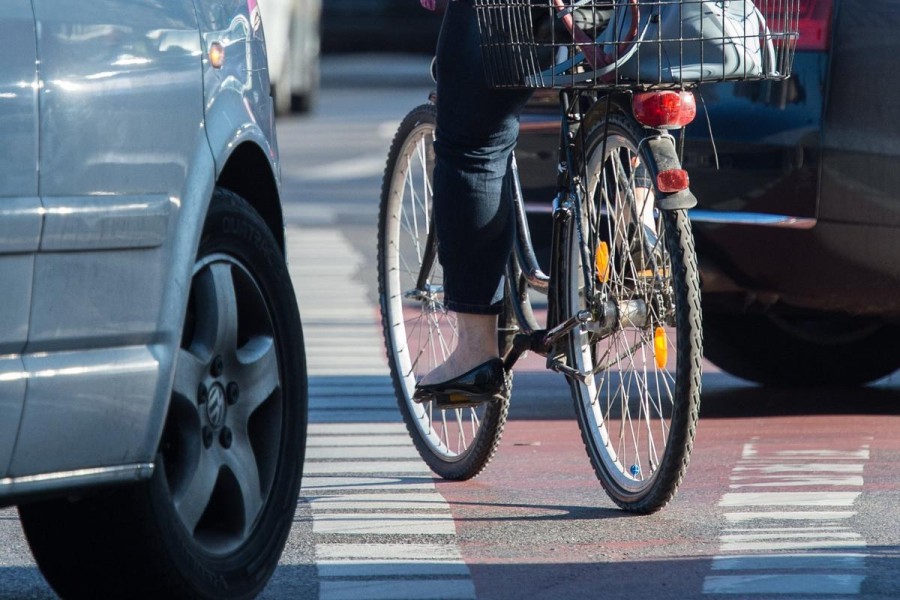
814	24
672	180
664	110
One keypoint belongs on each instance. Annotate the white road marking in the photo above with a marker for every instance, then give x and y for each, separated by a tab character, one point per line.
399	501
385	524
346	441
788	535
789	499
352	429
404	552
774	546
364	467
789	542
363	476
788	516
794	481
751	451
360	452
801	467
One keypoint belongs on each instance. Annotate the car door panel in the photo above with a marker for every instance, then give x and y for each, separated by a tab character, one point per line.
861	138
20	214
121	120
90	406
121	111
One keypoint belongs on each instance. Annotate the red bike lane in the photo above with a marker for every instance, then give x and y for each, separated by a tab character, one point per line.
799	479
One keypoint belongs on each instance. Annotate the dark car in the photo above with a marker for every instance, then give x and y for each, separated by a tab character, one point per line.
798	228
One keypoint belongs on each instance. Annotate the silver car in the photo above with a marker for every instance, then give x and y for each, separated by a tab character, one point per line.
152	371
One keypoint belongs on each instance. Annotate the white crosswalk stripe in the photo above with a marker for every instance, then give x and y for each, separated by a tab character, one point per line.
363	477
790	543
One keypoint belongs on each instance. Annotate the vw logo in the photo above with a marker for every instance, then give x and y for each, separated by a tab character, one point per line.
215	406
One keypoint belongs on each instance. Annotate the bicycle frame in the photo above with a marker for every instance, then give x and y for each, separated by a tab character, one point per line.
524	273
565	207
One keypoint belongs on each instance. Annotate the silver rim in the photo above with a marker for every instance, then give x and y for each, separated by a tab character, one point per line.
223	432
422	332
628	399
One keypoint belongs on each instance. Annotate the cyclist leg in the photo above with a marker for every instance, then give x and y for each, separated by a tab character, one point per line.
477	128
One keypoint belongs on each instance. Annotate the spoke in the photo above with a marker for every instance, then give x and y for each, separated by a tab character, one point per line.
476	423
189	372
422	148
413	201
417	327
239	459
445	432
444	344
411	228
461	443
191	502
257	374
217	315
405	265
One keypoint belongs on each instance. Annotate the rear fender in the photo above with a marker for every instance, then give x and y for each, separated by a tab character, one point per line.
665	157
660	144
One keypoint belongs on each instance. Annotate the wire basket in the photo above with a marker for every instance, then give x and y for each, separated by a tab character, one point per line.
635	43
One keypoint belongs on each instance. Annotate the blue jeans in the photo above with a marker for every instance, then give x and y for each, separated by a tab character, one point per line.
477	129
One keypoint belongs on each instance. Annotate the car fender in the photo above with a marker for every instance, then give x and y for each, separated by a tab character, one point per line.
238	110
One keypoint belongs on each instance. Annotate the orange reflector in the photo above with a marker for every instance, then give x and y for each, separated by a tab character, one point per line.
216	55
660	348
601	261
673	180
664	110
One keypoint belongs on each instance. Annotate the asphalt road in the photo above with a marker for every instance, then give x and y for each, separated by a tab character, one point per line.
790	494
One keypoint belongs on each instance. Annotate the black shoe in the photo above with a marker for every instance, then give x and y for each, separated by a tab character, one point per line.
488	381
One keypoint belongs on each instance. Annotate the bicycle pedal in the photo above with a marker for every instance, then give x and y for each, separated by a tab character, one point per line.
452	401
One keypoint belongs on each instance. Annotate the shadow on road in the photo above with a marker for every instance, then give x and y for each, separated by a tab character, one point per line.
726	397
545	396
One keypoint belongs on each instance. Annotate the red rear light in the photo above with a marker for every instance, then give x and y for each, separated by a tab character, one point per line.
665	110
672	180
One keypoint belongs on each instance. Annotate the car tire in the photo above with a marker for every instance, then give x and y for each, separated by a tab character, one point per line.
801	351
134	541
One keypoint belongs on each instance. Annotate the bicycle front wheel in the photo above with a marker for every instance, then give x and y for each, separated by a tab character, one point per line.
419	332
634	268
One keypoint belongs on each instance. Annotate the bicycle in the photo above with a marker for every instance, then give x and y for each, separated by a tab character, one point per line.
623	318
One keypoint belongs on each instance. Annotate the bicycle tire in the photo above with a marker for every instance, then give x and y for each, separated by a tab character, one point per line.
639	404
419	332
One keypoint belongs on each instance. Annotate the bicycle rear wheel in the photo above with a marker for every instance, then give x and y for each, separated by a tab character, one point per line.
419	332
634	268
